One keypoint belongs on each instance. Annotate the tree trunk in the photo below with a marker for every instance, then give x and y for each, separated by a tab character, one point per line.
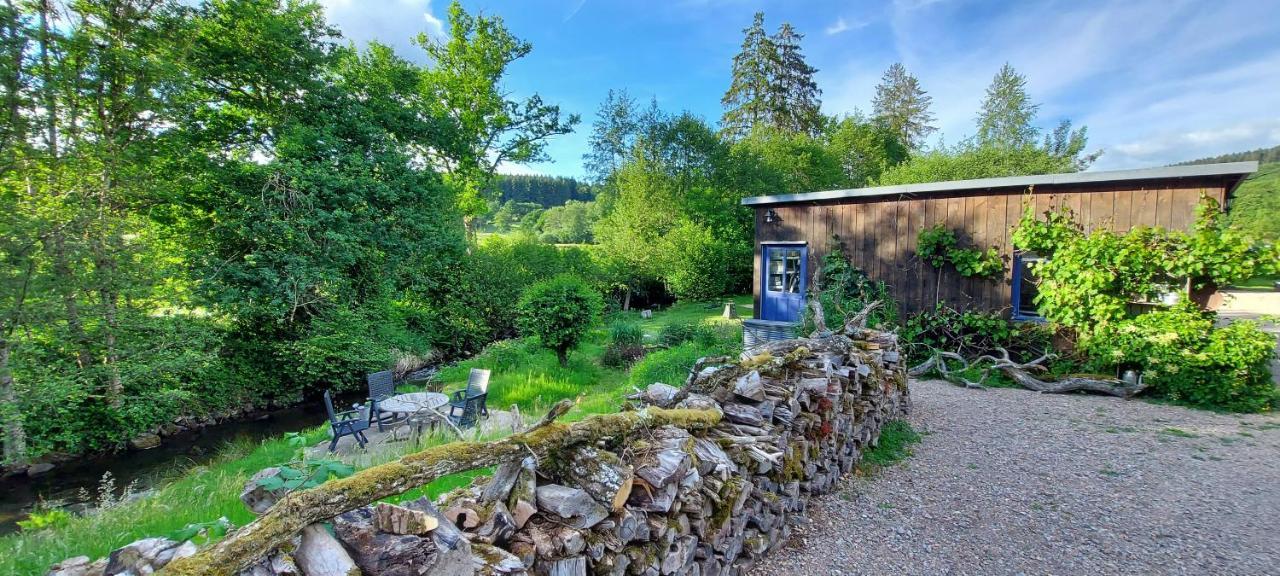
15	438
66	282
300	509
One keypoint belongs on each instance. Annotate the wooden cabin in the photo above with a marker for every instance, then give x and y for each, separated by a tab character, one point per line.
877	228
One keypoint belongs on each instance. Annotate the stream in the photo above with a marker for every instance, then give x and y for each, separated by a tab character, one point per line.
68	484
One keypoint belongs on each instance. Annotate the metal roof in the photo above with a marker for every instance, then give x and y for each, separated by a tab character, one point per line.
1168	172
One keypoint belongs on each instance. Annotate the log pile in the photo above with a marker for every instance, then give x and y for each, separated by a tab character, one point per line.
796	418
701	479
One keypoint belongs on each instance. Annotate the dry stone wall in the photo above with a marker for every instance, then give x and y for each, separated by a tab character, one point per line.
703	500
796	418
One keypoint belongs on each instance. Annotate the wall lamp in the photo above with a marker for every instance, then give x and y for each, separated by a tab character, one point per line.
771	217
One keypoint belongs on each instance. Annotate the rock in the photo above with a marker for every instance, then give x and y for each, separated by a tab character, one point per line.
320	554
382	553
576	566
169	429
493	561
661	395
146	556
257	498
574	505
749	386
743	414
78	566
39	468
145	441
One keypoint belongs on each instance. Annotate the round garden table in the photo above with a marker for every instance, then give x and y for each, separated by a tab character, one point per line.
413	402
422	408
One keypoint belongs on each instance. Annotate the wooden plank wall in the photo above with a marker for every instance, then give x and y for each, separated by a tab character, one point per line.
879	234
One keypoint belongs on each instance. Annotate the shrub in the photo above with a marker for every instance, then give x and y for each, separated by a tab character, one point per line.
621	355
1184	358
697	264
475	309
846	291
626	344
671	335
670	366
559	312
971	333
626	333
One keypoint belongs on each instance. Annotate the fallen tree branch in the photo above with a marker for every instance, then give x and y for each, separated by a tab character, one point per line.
300	509
1021	374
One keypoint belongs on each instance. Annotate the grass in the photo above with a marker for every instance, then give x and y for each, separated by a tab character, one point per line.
1261	283
200	494
1178	432
523	375
896	439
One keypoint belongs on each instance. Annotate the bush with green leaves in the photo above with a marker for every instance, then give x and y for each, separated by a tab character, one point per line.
1184	358
475	309
844	291
937	246
559	312
626	344
1088	280
672	335
971	333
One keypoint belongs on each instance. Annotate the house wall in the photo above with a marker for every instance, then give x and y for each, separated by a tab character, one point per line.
879	234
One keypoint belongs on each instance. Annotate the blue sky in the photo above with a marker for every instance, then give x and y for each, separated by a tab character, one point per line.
1155	81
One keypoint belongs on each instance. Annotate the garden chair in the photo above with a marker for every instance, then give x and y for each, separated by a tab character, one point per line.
348	423
466	415
381	386
477	387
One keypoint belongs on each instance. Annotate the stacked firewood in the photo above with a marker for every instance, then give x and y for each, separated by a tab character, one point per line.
796	417
703	479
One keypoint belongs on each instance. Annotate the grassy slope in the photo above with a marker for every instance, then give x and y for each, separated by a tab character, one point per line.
523	375
1256	202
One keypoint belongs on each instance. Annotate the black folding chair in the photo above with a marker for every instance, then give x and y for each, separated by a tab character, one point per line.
348	423
477	387
381	386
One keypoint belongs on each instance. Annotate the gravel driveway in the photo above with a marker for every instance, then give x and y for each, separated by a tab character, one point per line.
1014	482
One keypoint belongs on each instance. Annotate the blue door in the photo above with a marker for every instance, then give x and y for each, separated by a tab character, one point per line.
784	279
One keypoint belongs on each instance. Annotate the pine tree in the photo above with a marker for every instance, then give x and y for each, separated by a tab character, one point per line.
795	103
1007	113
612	134
748	102
903	106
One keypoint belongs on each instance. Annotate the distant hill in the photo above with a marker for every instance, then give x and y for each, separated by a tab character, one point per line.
546	191
1257	202
1262	155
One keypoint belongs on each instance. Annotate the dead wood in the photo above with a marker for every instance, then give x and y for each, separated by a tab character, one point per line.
299	509
1021	374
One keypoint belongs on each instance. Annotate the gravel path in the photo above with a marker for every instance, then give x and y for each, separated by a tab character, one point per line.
1013	482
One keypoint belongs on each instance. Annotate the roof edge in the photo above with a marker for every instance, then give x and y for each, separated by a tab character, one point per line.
1167	172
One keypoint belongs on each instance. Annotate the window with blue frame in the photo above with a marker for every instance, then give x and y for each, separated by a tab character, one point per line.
1025	286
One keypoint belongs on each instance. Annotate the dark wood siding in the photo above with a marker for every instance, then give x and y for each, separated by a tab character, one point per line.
879	234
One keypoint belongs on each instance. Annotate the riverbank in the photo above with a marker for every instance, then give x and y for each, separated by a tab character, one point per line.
524	375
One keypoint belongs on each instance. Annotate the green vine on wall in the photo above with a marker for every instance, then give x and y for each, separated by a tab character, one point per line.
937	246
1088	280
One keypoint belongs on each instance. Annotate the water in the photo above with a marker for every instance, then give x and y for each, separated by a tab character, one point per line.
67	484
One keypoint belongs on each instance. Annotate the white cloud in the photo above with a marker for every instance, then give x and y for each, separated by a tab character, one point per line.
1155	81
839	26
392	22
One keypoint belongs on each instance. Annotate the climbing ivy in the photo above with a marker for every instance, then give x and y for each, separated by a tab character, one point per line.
937	246
1088	280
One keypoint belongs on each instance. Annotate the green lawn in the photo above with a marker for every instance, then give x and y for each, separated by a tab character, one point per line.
523	375
1263	283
